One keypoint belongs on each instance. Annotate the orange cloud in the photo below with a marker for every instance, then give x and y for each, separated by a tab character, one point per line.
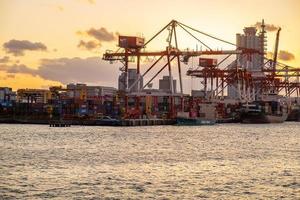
18	47
5	59
282	55
89	45
285	55
69	70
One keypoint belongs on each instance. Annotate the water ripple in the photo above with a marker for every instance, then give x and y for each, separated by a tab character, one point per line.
230	161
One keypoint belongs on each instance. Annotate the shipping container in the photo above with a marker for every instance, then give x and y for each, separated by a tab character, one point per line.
207	62
131	42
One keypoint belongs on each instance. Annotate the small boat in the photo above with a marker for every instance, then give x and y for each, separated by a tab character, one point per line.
264	112
106	121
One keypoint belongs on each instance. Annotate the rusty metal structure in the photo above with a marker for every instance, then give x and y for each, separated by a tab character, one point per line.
273	78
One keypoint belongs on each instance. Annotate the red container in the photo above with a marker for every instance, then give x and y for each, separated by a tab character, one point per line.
130	42
207	62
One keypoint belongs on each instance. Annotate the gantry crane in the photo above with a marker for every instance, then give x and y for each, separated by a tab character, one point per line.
134	47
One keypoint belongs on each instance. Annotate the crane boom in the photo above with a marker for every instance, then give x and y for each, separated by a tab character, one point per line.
276	49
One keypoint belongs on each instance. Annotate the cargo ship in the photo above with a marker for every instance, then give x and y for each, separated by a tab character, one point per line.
294	115
204	114
264	112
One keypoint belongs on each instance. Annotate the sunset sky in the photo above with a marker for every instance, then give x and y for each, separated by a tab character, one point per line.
54	42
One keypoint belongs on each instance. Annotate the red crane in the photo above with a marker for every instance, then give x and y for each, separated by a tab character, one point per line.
135	47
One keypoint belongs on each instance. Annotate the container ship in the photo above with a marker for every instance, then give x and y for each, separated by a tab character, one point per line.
264	112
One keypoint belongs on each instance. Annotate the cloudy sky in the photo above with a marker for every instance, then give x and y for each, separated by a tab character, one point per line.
53	42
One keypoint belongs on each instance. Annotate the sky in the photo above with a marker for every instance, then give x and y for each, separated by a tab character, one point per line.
55	42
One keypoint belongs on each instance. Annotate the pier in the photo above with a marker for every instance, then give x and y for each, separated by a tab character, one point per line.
147	122
59	124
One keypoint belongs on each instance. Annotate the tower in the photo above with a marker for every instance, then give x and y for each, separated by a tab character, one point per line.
250	39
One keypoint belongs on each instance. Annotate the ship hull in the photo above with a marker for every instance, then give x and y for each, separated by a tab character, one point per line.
294	115
260	118
194	122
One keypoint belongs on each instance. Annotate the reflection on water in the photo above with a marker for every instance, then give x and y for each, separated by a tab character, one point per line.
229	161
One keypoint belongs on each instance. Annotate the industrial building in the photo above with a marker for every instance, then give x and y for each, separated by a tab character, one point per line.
7	96
251	39
131	80
84	92
7	103
165	85
33	95
201	93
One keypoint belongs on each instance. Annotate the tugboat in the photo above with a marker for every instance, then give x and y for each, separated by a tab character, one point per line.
204	115
264	112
